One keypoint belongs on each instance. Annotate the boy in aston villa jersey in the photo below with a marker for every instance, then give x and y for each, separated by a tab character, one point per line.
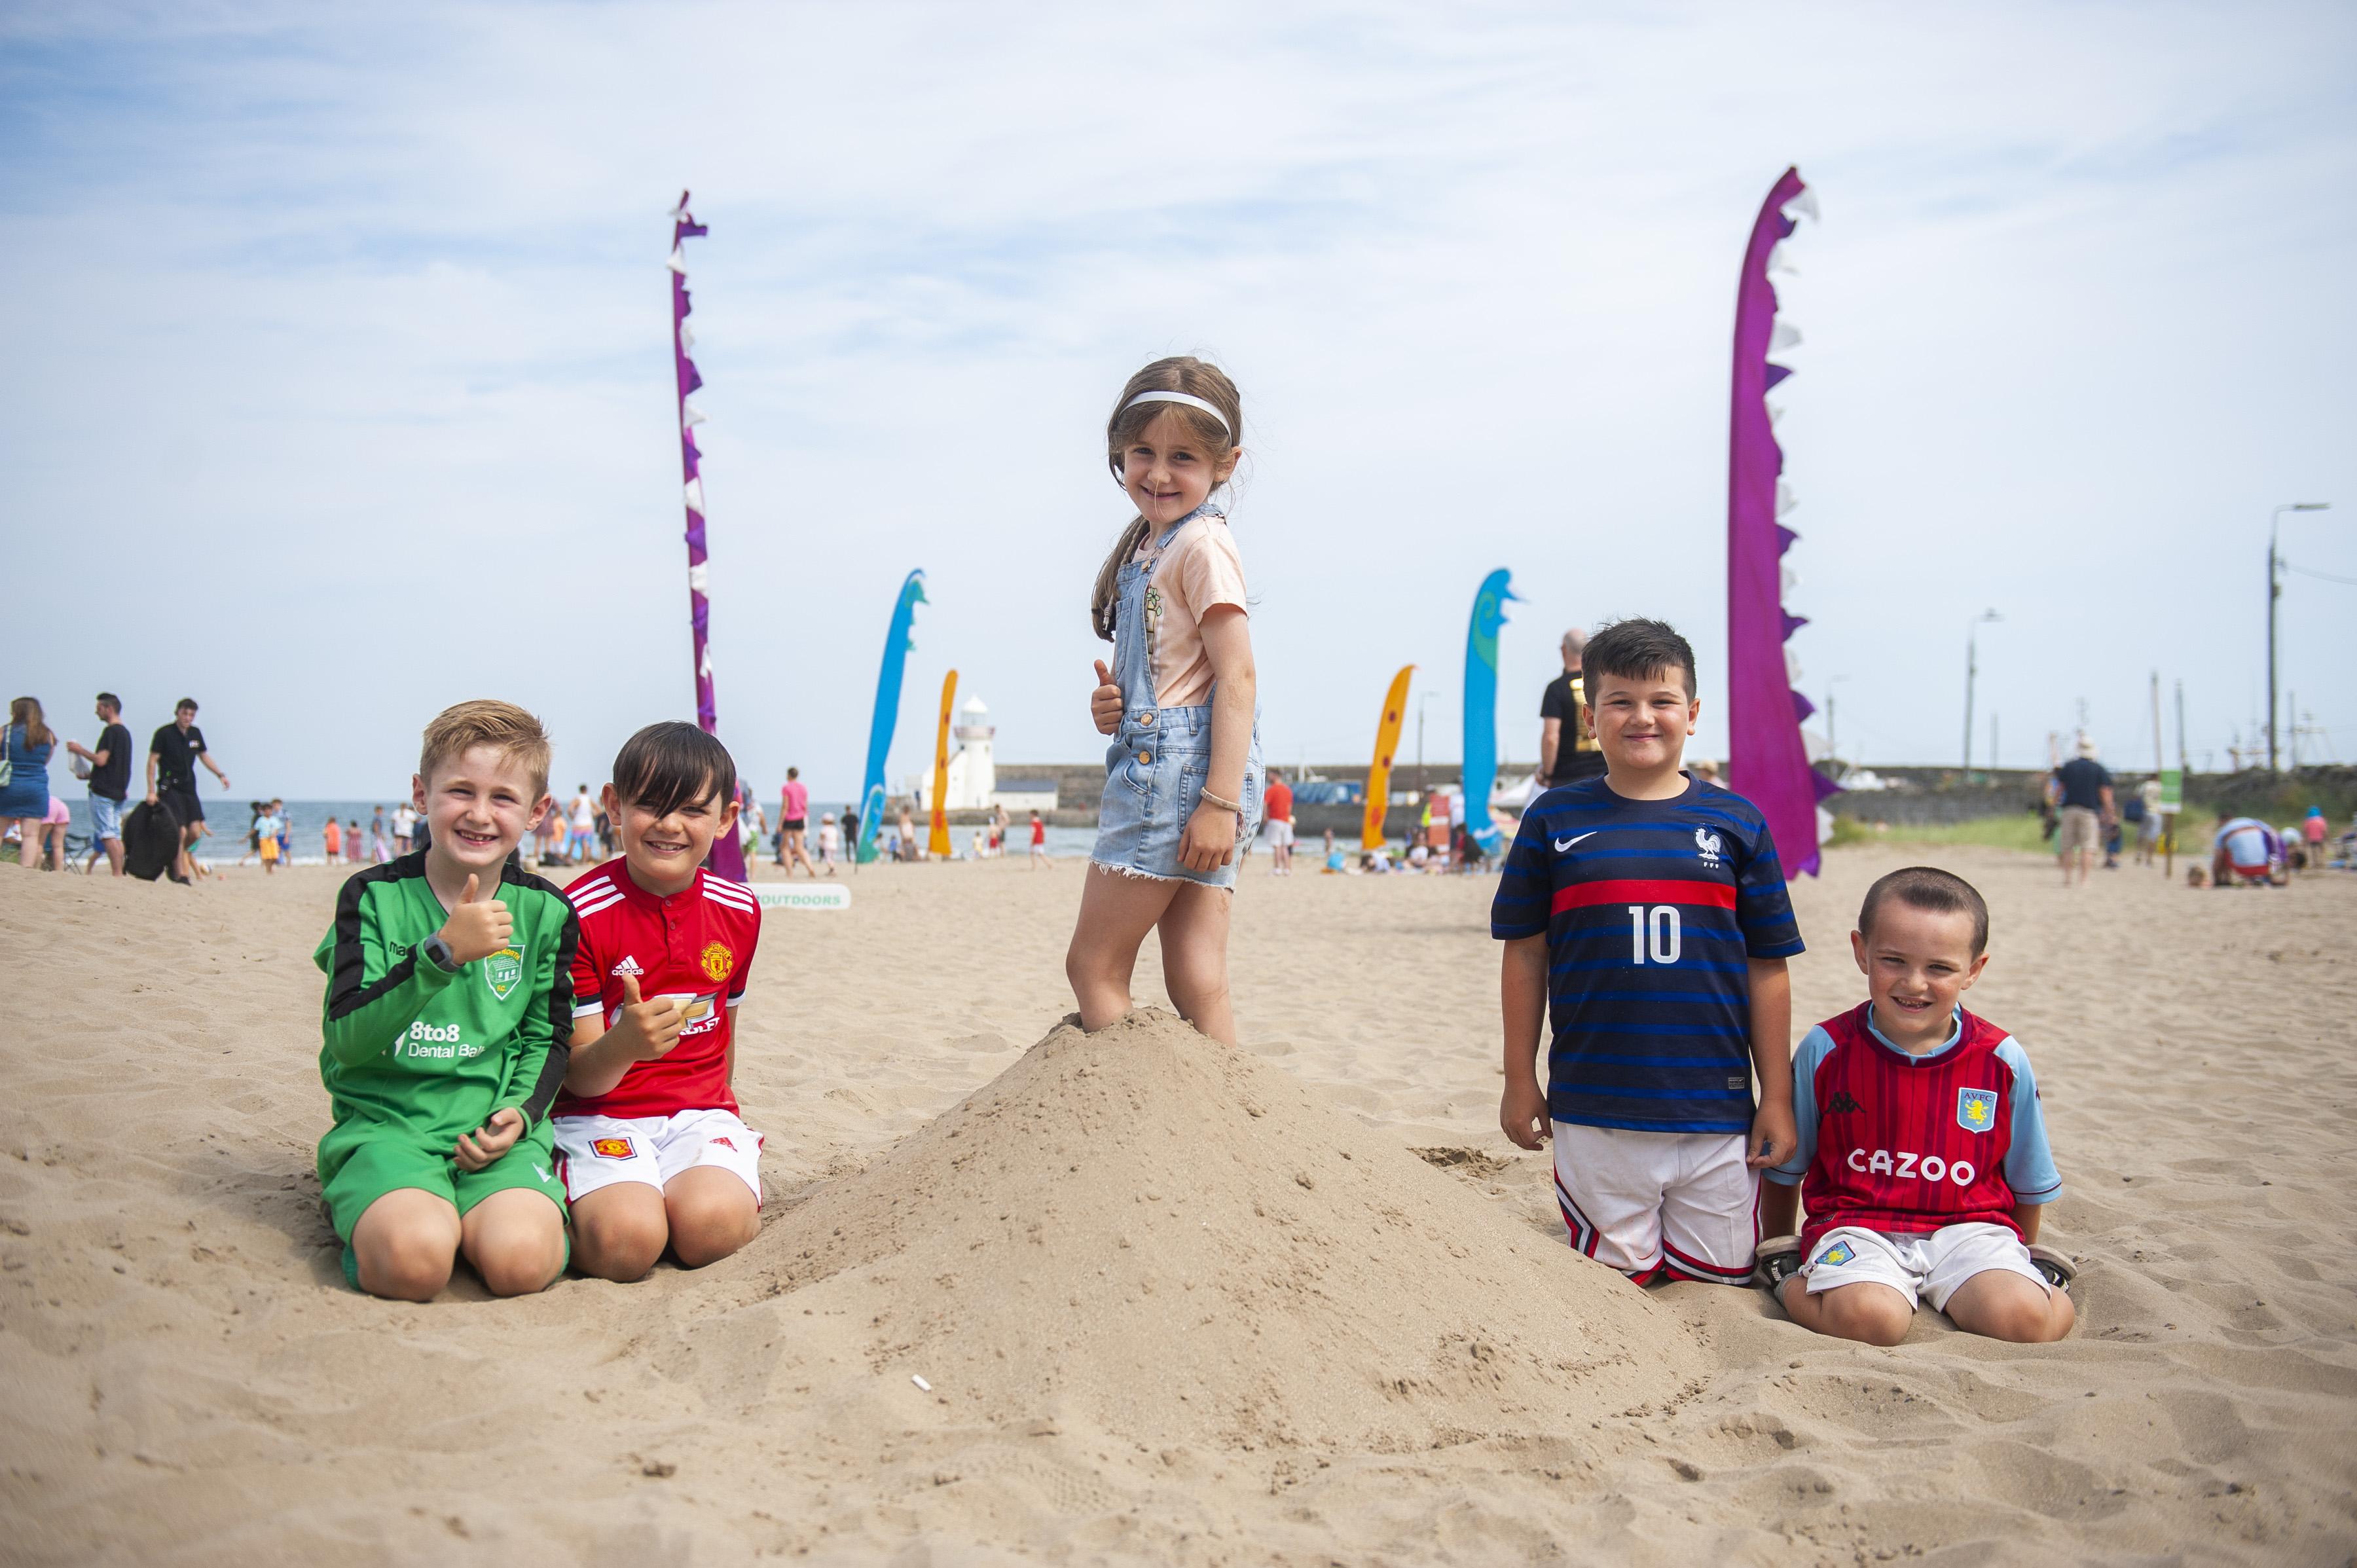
647	1140
1644	915
1922	1155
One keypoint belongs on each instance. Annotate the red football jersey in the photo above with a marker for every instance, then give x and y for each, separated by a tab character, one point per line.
1953	1112
695	945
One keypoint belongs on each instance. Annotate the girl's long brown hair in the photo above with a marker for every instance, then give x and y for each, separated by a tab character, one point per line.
1196	378
27	711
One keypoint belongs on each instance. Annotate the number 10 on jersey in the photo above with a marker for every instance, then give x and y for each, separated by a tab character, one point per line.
1653	933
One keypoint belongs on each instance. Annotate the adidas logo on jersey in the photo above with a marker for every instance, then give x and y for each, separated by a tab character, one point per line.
1842	1104
628	966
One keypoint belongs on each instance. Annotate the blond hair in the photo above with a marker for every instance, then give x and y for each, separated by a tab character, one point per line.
514	734
1196	378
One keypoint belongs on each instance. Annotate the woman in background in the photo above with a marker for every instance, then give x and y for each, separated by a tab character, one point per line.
24	798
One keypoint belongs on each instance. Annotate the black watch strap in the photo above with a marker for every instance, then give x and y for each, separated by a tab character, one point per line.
437	953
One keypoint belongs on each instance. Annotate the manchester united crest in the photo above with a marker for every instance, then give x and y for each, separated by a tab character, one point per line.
719	961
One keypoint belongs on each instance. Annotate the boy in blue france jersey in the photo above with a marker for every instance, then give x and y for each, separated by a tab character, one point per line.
1645	916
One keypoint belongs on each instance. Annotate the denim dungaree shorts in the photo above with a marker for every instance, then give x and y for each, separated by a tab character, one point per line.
1159	759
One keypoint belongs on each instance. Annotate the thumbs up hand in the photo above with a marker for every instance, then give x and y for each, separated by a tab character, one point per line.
1104	702
477	928
653	1026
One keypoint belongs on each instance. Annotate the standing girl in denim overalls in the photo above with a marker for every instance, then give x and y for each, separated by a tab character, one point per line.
1183	775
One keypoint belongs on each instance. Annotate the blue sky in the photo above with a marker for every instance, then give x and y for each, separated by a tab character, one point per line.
337	381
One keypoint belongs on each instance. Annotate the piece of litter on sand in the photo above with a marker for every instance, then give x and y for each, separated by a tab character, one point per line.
921	1383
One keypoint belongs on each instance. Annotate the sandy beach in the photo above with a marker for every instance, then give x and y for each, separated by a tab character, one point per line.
1174	1303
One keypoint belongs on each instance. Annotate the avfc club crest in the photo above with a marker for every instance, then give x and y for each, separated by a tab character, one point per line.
1976	1109
503	971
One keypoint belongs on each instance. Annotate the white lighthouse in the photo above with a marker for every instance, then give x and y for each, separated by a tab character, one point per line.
973	776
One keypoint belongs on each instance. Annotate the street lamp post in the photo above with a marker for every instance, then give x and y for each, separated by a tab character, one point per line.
2275	592
1972	669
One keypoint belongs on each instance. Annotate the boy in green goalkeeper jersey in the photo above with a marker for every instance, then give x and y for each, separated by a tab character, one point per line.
449	1000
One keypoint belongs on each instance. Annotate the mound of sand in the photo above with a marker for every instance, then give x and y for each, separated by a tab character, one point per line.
1171	1240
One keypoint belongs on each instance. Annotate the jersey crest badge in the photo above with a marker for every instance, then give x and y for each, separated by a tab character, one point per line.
1976	1109
503	971
1709	845
610	1148
717	962
1838	1254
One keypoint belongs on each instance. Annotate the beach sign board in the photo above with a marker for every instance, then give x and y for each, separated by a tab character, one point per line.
2172	788
816	896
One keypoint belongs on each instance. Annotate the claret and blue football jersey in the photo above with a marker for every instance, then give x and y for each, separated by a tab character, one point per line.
1651	910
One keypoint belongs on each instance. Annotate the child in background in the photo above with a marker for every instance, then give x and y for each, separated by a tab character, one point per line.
448	974
286	832
1183	773
266	838
830	842
1922	1151
1645	914
1038	845
332	838
351	841
648	1144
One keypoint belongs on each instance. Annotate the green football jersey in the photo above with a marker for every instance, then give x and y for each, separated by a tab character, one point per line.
414	1049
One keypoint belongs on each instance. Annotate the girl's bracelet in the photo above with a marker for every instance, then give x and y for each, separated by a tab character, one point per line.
1225	805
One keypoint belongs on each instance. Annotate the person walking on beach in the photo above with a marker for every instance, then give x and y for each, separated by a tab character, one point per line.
1183	773
1280	825
793	811
331	839
351	841
1568	752
2086	786
173	753
830	842
109	781
1038	845
581	844
25	792
379	849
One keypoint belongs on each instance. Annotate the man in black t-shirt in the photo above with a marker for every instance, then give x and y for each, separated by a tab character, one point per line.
172	758
1567	751
109	781
2087	808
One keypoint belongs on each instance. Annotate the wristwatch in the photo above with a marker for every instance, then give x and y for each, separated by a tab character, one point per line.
437	952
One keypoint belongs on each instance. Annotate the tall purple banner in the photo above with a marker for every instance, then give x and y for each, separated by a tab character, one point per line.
1767	764
727	857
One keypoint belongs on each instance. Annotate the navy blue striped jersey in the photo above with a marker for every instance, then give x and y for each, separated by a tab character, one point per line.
1650	908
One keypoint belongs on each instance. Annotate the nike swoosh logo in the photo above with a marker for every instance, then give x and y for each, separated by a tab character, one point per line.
1561	845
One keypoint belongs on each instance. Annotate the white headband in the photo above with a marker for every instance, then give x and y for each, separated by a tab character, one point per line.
1187	398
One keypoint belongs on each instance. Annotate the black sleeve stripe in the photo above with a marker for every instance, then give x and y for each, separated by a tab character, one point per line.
554	1065
345	993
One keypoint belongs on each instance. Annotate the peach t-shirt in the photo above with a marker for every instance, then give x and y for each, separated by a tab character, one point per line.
1199	569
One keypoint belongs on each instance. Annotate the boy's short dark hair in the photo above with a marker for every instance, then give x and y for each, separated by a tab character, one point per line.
1929	887
669	765
188	702
1636	648
110	699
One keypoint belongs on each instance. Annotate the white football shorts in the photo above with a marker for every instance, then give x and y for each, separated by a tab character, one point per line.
1680	1205
594	1152
1933	1265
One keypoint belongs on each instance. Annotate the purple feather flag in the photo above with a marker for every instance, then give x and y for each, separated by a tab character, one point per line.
1769	766
727	856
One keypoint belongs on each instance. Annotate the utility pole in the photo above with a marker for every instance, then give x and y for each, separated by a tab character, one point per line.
2275	592
1971	668
1993	751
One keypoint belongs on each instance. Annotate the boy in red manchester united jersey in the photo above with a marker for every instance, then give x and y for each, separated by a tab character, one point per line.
1923	1158
647	1140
